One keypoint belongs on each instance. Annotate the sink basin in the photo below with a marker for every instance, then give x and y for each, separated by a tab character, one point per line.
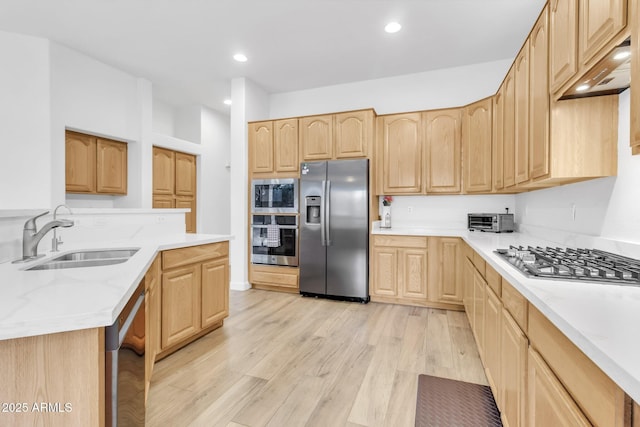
87	258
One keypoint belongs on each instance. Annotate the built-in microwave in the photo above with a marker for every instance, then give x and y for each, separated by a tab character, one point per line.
274	195
274	240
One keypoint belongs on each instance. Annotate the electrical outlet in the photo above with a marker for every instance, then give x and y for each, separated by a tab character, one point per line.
410	209
573	211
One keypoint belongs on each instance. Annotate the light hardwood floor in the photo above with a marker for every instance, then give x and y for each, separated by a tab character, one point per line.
284	360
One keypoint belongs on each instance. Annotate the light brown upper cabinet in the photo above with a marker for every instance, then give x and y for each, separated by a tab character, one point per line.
522	114
563	47
261	146
95	165
273	147
401	140
581	32
509	131
174	183
498	141
600	21
336	136
539	98
477	139
442	129
634	6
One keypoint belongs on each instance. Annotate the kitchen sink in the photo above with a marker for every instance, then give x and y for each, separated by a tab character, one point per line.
87	258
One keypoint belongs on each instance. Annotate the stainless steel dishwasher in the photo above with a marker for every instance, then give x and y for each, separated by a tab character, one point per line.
125	366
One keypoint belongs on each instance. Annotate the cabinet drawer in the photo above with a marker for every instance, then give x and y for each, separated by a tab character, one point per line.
400	241
494	280
597	395
275	276
185	256
515	303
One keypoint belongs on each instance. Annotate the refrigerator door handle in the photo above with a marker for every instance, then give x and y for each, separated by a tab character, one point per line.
322	213
327	215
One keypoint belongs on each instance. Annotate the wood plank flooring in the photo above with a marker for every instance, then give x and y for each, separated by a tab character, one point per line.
284	360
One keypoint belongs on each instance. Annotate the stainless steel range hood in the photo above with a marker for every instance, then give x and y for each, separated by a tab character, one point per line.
610	76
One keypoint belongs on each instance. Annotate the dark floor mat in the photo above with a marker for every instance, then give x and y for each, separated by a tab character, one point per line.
444	402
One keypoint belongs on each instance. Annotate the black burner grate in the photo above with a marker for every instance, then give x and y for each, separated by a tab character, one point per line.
573	264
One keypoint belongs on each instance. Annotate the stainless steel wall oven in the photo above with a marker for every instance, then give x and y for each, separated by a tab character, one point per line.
274	240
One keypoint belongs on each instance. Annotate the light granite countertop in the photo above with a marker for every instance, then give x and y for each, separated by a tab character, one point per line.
600	319
48	301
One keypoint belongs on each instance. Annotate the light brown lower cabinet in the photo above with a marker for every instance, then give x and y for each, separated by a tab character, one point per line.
274	277
194	293
479	289
153	308
446	270
513	371
548	403
492	336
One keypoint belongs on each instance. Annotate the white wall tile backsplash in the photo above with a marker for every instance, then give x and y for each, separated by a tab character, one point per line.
446	211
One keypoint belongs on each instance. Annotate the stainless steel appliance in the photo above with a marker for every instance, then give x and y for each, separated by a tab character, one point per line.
275	195
491	222
334	229
280	250
124	365
573	264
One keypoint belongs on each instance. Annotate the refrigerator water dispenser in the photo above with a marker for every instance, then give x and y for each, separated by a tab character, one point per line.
312	205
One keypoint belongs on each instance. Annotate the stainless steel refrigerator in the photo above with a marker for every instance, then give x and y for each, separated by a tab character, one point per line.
334	231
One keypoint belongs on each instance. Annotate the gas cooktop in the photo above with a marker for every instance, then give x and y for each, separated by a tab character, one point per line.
573	264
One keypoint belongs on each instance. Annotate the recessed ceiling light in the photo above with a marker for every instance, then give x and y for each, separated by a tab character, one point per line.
582	88
622	55
227	101
240	57
392	27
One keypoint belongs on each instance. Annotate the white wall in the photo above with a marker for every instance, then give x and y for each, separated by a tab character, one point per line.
215	176
450	87
92	97
250	103
25	166
606	207
163	117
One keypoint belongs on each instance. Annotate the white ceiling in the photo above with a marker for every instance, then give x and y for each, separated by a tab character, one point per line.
185	47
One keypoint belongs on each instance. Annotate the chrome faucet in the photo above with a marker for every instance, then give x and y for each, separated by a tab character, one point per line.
31	237
57	241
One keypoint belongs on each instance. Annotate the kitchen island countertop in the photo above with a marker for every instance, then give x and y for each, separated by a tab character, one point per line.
50	301
600	319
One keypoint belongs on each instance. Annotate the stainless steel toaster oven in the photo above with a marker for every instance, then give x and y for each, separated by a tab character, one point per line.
491	222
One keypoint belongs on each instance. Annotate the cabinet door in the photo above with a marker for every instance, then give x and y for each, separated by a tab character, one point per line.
354	133
468	290
443	132
479	289
476	136
563	42
445	283
539	99
152	319
548	403
215	291
402	153
413	275
180	304
522	114
385	271
286	145
111	169
163	202
492	324
316	137
498	140
163	171
80	166
185	175
634	21
600	21
261	147
513	362
509	131
190	217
